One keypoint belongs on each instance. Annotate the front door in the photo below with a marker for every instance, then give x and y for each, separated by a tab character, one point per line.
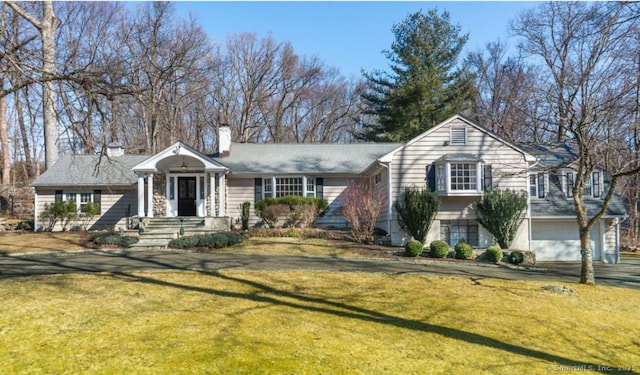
186	196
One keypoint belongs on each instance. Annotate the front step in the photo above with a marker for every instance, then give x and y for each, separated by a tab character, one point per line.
159	231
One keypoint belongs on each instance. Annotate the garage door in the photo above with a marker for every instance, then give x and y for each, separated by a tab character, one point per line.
561	241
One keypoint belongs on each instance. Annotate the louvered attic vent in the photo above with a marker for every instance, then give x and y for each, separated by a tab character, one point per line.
458	136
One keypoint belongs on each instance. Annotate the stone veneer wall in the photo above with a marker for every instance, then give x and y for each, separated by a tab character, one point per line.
159	195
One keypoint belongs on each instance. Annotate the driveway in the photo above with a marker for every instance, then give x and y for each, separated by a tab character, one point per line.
626	274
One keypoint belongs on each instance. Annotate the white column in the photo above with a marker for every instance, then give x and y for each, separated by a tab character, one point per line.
150	195
304	186
212	194
140	195
221	195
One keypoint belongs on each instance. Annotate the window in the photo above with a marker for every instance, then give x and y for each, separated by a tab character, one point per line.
441	178
597	190
311	187
468	176
454	231
458	135
283	186
268	188
537	182
288	186
592	184
81	199
377	178
463	177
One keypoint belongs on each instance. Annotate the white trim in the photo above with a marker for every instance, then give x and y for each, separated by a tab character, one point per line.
141	195
150	195
389	156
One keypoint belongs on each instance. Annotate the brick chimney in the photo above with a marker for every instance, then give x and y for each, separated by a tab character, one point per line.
224	140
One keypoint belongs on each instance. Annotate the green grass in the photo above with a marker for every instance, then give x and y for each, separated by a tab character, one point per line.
309	322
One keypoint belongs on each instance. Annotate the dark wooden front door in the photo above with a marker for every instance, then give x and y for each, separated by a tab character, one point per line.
186	196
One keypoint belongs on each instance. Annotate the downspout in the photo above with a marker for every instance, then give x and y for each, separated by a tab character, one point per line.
389	196
529	198
35	211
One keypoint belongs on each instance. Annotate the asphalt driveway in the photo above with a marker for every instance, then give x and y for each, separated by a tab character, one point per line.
626	274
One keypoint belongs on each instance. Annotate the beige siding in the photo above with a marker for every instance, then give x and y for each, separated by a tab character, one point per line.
240	190
333	189
408	167
114	205
611	246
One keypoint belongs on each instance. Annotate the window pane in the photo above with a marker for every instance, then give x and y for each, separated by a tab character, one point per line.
288	186
533	186
440	178
463	176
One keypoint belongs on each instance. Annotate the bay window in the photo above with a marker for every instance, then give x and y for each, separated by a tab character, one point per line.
459	177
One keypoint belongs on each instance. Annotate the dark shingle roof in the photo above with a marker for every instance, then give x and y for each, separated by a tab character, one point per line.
86	170
550	155
350	158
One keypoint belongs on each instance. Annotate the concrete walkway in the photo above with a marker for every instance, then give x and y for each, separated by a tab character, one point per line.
626	274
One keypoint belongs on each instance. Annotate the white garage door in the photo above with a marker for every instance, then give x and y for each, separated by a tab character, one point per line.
560	241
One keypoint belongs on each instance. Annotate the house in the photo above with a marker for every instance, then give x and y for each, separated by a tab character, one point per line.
457	158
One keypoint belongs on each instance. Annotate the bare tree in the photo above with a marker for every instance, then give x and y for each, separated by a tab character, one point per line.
586	85
47	25
505	98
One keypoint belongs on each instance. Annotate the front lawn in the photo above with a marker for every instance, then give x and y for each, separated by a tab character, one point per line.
310	322
38	242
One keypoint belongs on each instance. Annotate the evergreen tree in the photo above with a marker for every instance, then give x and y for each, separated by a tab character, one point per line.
425	86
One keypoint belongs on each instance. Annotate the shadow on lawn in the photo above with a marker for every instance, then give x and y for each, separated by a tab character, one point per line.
299	301
268	294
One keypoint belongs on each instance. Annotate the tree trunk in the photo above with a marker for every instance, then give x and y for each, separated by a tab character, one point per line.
4	141
48	27
23	134
587	275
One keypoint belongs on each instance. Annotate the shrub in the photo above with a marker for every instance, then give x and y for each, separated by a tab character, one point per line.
463	250
63	212
438	249
110	238
516	257
494	254
413	248
274	215
501	213
416	209
361	206
246	206
286	210
211	240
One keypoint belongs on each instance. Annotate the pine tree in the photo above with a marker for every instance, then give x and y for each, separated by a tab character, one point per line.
425	87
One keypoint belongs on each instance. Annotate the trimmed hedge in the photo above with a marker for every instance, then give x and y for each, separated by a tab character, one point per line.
438	249
494	254
516	257
212	240
290	210
463	250
110	238
413	248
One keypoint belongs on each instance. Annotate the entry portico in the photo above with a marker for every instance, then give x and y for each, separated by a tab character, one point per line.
191	182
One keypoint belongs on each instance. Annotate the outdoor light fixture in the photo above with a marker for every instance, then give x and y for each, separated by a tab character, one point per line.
183	167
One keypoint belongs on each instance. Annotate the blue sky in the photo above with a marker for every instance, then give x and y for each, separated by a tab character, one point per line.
348	35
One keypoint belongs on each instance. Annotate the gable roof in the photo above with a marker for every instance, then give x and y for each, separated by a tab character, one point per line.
88	170
303	158
387	157
173	155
